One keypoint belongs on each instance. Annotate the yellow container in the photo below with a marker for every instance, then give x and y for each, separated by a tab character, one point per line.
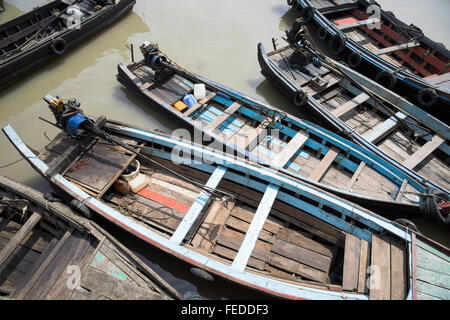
180	106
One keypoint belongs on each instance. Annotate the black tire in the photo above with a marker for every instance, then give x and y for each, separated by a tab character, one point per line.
409	224
308	14
337	44
82	208
59	46
429	205
299	99
322	33
354	60
290	2
427	97
386	79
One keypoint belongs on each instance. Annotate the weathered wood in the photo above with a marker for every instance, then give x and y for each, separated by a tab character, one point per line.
380	284
19	236
420	155
300	240
292	147
230	254
401	191
243	226
351	263
113	288
358	23
323	166
398	47
265	205
364	262
199	104
356	175
384	128
350	105
195	210
247	216
398	270
296	267
224	116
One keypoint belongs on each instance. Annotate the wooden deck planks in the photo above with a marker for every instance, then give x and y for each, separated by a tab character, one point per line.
380	284
350	105
364	262
292	147
241	259
224	116
323	166
420	155
19	236
351	263
199	104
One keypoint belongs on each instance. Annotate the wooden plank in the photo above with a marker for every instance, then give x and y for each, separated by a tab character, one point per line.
300	240
384	128
197	207
351	263
358	23
380	285
430	261
292	147
435	291
356	175
230	254
401	191
296	267
113	288
39	267
323	166
398	270
224	116
261	214
364	262
19	236
243	226
420	155
391	49
304	256
209	231
350	105
247	216
199	104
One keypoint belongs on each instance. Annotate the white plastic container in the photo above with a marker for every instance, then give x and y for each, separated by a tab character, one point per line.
199	91
138	183
130	176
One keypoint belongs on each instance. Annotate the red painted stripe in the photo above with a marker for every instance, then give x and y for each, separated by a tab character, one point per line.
171	203
341	21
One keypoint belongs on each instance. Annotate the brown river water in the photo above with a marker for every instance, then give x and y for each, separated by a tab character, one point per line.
216	39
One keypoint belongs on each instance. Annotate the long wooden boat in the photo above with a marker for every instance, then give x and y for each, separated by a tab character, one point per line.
49	31
49	252
362	110
238	220
262	133
383	48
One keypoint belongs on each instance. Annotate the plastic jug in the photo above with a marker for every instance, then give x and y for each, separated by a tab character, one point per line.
180	106
138	183
189	100
199	91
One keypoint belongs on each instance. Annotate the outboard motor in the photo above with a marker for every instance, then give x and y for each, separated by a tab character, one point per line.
68	115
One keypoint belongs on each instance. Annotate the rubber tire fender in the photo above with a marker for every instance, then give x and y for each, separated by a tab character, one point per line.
354	60
299	99
338	40
429	206
390	77
55	46
202	274
322	33
423	93
408	223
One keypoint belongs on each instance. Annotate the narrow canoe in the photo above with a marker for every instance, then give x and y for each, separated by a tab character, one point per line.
234	219
42	35
358	108
398	56
49	252
261	133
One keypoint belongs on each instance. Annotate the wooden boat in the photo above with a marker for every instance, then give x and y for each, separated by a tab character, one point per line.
238	220
47	251
385	49
362	110
49	31
240	124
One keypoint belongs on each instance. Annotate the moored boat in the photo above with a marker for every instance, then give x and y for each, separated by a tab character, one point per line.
363	111
380	46
49	252
263	134
228	217
49	31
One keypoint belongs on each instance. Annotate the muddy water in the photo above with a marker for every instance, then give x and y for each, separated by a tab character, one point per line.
216	39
